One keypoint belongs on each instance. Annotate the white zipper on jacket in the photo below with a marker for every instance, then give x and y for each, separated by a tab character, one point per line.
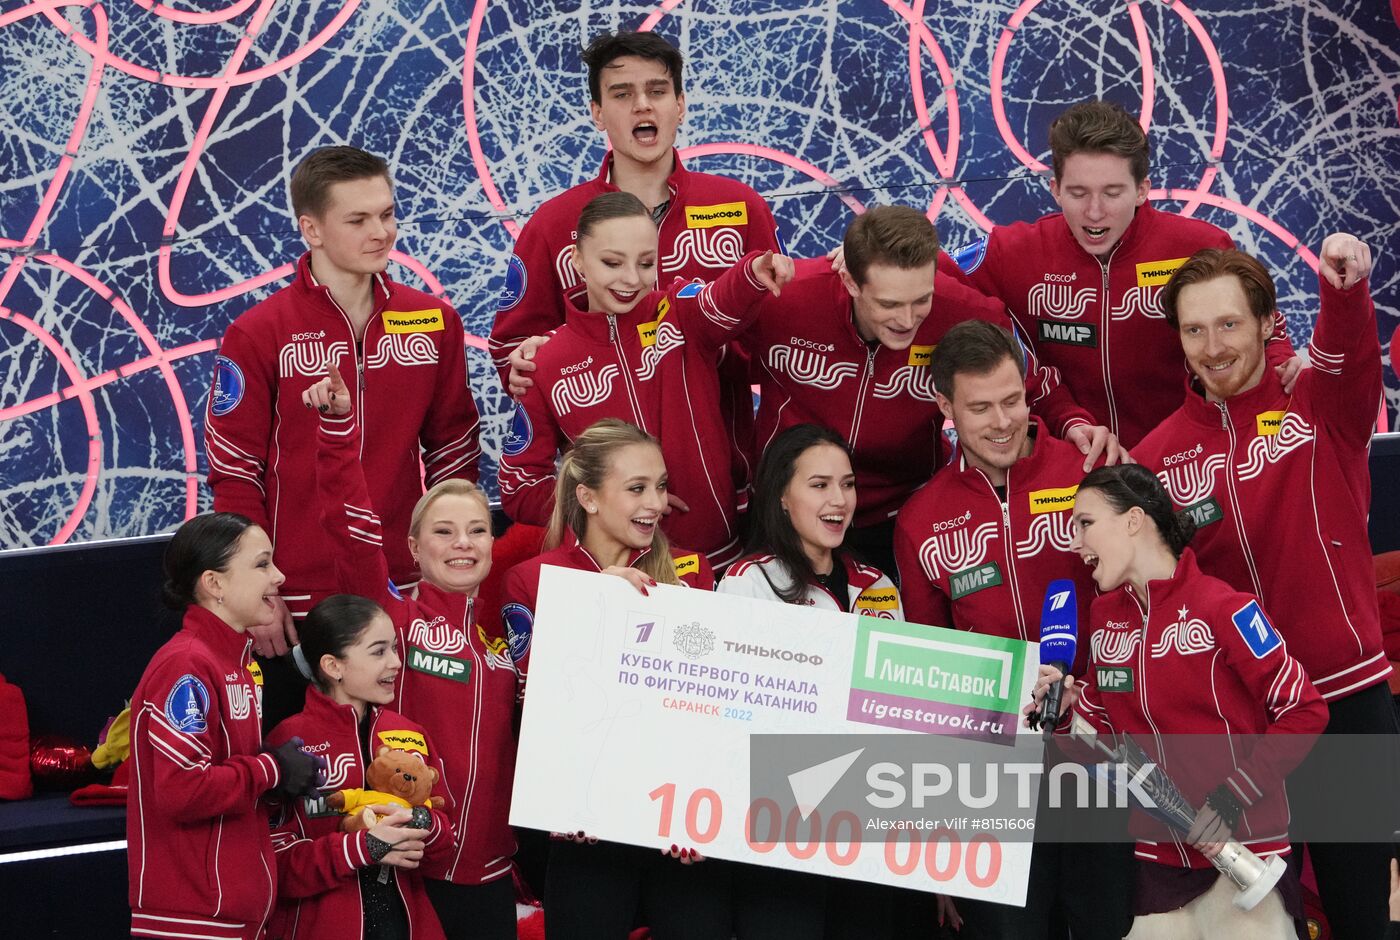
1010	553
860	394
358	347
1141	683
1229	469
1104	317
616	340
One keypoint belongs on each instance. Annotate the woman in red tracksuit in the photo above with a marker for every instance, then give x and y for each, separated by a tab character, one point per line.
198	848
609	500
457	682
361	885
1176	652
648	357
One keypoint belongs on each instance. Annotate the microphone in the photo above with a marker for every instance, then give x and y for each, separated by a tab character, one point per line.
1059	625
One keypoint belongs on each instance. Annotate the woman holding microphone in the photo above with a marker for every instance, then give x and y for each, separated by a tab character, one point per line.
1189	656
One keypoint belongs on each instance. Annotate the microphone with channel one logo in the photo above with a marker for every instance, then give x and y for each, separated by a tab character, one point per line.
1059	630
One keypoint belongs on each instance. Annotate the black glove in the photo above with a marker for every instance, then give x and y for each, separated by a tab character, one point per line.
299	772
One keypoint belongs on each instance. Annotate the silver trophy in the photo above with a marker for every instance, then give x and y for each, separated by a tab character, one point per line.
1254	876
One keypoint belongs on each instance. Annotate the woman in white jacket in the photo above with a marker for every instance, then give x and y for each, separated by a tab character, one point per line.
804	501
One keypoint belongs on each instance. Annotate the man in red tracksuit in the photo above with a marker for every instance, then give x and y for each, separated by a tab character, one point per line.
652	367
405	348
978	547
1279	486
851	351
707	223
1082	283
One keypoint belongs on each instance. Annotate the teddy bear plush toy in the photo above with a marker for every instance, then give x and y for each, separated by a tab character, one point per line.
394	777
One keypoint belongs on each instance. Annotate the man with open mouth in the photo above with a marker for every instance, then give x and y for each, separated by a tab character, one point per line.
707	223
1082	283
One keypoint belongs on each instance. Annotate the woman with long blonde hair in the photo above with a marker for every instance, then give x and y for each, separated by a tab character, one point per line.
610	496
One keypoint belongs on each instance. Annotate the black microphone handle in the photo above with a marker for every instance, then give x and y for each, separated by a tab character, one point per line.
1050	709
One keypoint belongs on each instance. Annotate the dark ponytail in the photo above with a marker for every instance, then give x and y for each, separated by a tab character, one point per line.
1127	485
332	627
204	543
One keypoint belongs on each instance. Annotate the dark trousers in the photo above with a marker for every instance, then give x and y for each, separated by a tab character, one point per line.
773	904
1353	879
596	892
482	912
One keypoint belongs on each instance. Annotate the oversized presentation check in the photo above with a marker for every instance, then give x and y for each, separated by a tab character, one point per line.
640	712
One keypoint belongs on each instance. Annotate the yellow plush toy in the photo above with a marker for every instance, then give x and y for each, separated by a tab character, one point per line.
395	778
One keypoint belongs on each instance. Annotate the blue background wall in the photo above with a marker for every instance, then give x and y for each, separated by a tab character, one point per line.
144	151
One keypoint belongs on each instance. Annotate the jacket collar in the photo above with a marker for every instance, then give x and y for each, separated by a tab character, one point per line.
597	327
456	607
211	628
1162	591
586	562
1241	409
323	709
1137	231
319	296
1026	469
677	182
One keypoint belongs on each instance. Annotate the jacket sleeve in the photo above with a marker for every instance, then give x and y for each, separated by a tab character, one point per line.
1049	397
1296	712
923	600
702	577
347	514
533	301
715	313
451	428
238	425
518	621
191	782
440	836
526	472
1344	383
762	228
749	583
307	867
1090	704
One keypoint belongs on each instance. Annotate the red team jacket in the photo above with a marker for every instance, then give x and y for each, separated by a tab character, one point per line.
198	847
654	367
522	589
1100	325
318	864
409	381
1280	488
456	681
814	367
1196	657
710	223
967	560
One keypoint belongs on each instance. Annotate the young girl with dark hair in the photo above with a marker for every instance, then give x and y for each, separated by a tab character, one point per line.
609	498
1190	656
628	350
364	884
198	847
457	681
803	503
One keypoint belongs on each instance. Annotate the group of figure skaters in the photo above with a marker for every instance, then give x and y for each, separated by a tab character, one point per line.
1126	411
